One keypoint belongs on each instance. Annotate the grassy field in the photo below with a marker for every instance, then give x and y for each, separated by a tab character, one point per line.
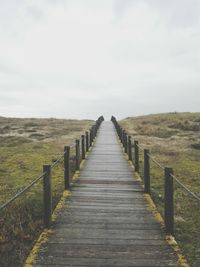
25	145
174	140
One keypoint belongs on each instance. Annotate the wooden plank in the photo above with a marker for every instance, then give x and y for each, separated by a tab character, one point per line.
134	252
61	261
94	220
108	234
109	225
101	241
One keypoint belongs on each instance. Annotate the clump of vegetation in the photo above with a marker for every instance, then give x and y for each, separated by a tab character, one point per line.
25	145
187	125
196	146
180	149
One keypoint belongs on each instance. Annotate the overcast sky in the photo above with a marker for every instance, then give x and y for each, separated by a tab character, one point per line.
81	59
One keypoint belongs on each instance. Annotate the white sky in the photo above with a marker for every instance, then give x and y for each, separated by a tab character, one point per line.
81	59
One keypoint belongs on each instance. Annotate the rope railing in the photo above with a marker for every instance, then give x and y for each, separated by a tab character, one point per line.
46	174
175	179
192	194
156	162
140	147
72	146
169	177
24	190
58	160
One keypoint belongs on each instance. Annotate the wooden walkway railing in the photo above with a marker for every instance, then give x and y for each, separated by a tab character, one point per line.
169	177
46	175
106	221
38	200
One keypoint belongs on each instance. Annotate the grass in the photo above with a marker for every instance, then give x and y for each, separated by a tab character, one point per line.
174	140
25	145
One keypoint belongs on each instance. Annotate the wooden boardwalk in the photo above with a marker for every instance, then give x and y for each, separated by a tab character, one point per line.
106	221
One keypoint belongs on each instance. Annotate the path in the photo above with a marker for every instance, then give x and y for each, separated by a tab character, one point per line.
106	221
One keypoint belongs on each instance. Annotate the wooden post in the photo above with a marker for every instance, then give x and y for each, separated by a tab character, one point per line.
67	167
120	135
83	146
169	203
146	172
130	149
123	138
117	128
47	195
93	133
77	155
91	139
125	143
87	141
95	130
136	153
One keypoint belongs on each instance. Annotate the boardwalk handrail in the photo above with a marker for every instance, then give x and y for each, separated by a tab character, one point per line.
106	194
21	192
32	183
172	175
46	175
168	175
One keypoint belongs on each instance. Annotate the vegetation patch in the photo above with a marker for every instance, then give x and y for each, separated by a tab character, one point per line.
196	146
37	136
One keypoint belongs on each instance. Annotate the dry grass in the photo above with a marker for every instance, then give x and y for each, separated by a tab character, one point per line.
25	145
174	140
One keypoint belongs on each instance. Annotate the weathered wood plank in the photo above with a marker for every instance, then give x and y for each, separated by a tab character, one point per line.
101	241
137	251
109	225
59	261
